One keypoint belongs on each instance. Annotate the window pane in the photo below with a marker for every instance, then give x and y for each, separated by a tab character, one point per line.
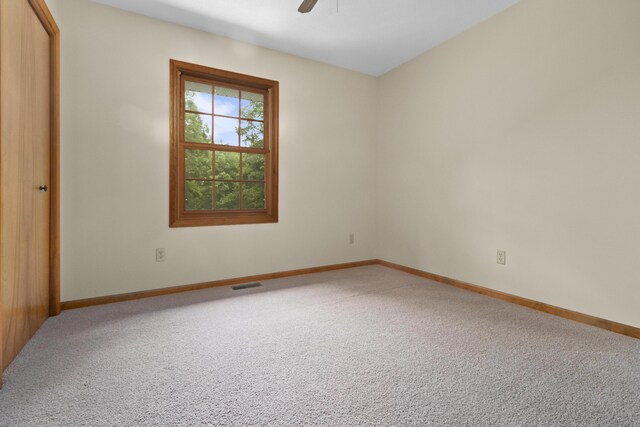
253	167
227	101
227	165
197	128
199	195
198	97
226	131
227	195
253	195
252	134
199	164
252	105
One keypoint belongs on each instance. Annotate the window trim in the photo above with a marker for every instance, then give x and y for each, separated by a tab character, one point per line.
178	215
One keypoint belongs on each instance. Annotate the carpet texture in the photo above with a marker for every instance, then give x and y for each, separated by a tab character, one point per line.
365	346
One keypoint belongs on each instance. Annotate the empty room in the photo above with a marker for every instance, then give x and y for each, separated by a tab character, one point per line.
320	212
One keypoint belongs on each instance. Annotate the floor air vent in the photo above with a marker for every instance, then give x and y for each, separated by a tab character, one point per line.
247	286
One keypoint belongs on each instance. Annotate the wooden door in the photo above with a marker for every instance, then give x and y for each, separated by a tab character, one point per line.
25	178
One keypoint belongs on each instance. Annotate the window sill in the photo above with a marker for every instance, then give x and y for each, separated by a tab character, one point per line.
222	219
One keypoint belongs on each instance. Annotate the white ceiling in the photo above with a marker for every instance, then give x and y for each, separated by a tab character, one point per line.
370	36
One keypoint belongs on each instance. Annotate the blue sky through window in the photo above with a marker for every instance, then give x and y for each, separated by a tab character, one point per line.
226	102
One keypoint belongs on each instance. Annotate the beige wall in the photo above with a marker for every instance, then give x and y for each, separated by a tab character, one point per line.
115	158
521	134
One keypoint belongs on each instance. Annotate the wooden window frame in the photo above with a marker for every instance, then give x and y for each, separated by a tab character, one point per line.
178	215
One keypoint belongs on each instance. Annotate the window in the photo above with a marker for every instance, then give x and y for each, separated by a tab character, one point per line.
224	147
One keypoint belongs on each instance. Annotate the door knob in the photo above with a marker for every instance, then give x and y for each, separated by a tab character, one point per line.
43	188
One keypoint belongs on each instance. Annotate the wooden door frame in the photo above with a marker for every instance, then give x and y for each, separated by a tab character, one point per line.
44	15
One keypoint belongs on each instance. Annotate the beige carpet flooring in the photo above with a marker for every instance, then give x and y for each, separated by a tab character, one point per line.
365	346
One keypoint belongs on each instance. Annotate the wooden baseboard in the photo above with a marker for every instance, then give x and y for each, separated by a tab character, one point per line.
550	309
88	302
536	305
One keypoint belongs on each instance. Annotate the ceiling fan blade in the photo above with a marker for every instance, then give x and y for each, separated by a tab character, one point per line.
307	5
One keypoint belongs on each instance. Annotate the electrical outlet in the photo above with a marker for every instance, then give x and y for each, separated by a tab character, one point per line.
161	255
352	238
501	257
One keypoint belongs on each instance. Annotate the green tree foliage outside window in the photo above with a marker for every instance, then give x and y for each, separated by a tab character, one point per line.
195	129
199	163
